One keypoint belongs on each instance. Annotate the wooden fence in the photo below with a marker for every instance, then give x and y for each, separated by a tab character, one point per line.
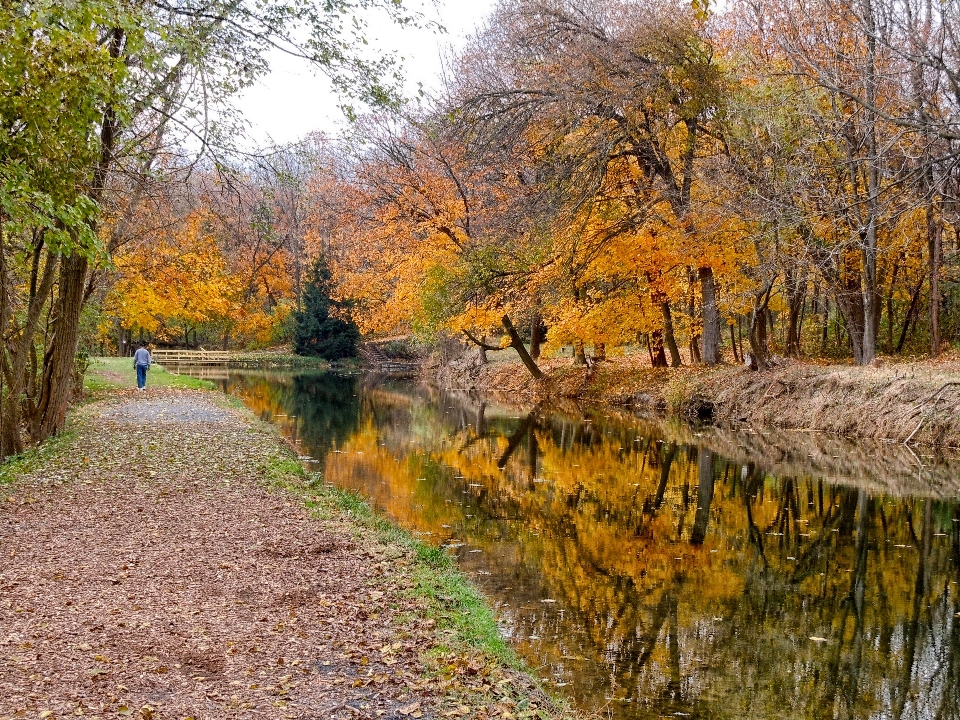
193	357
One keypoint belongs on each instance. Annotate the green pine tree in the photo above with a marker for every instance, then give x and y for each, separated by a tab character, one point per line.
315	331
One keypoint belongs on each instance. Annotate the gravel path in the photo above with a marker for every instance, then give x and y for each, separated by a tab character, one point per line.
148	572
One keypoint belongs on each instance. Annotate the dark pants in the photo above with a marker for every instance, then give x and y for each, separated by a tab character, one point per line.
141	376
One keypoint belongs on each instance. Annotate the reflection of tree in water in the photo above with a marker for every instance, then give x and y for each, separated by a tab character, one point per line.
322	409
793	598
327	408
815	561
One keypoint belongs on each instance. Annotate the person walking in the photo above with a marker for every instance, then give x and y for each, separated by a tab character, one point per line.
141	363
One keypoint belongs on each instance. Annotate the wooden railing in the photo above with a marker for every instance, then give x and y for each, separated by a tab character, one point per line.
192	357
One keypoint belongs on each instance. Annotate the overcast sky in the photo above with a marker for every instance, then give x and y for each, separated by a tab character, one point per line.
292	100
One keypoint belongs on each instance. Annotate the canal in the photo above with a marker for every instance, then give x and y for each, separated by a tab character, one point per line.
651	569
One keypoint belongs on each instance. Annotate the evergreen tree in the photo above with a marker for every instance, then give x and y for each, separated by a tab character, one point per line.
315	331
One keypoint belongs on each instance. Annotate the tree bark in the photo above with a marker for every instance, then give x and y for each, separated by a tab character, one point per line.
871	296
536	335
711	317
694	346
11	442
668	336
934	239
517	344
796	284
758	338
911	311
579	353
658	358
60	363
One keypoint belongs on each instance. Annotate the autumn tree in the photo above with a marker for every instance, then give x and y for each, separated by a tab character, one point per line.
618	100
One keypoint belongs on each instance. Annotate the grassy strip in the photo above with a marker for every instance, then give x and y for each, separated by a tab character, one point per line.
455	604
117	373
35	457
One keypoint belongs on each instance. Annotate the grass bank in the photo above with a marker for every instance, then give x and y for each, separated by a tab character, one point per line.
112	373
885	402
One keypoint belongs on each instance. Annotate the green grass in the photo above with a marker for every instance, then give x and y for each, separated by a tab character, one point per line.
453	603
107	373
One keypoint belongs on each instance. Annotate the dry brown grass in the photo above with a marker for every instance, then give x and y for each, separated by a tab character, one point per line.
884	402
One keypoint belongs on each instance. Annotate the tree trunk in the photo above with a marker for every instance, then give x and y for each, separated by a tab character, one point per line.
740	335
536	335
911	311
796	284
517	344
934	239
694	345
850	303
579	354
11	442
889	302
658	356
711	317
60	369
758	328
668	336
871	296
733	344
599	352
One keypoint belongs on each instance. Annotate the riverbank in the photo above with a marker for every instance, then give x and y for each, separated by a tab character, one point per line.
886	402
168	557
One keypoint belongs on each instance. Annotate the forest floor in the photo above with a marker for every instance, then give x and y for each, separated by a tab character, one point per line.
883	402
168	557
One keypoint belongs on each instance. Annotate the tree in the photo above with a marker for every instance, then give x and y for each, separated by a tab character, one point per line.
617	101
317	332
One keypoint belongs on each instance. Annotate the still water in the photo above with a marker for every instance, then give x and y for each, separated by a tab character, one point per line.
655	570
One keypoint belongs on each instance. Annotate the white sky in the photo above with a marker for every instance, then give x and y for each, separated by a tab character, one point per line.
293	100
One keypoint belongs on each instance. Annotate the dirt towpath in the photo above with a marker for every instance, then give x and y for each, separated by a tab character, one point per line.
150	571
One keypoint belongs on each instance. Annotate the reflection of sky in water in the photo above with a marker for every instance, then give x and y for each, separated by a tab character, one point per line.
657	570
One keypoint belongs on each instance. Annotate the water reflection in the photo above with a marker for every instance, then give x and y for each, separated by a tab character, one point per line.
654	572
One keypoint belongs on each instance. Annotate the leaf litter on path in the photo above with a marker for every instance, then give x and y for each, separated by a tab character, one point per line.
149	573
